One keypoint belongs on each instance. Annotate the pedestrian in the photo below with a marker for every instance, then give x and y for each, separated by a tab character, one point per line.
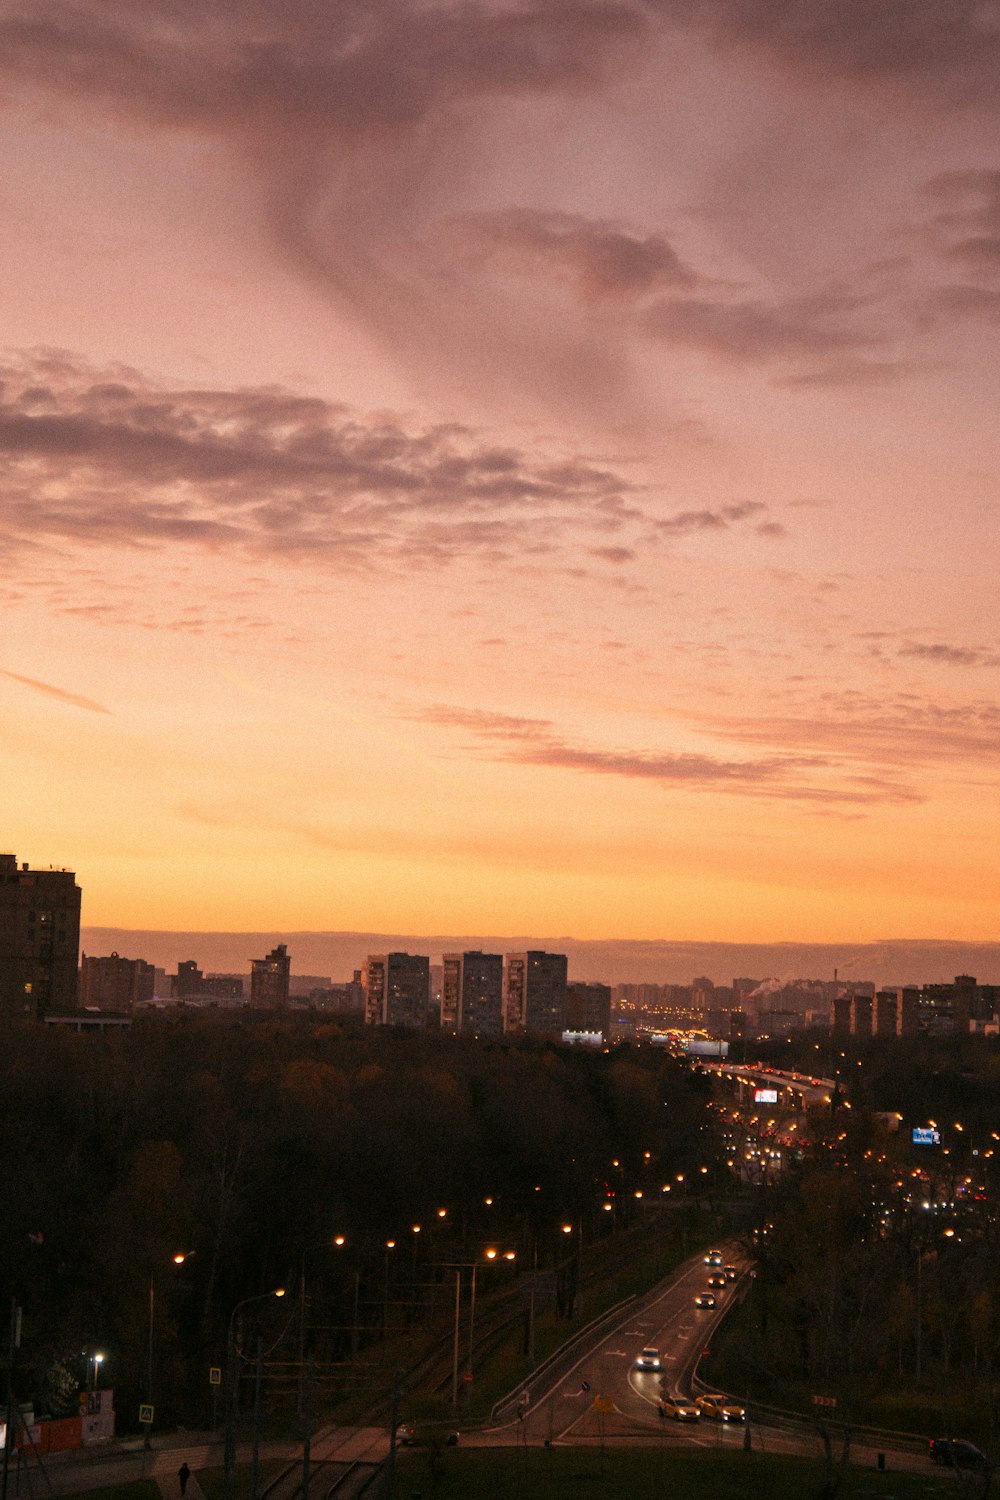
183	1474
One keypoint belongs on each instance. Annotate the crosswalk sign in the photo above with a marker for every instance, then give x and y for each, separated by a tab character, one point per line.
146	1415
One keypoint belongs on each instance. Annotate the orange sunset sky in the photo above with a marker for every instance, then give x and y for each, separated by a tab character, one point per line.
500	467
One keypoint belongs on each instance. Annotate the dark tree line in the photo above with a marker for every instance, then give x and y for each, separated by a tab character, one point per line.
254	1145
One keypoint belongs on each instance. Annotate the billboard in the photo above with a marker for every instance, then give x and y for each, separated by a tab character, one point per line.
705	1047
926	1135
765	1096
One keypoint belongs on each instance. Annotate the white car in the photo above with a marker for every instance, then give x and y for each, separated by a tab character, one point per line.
649	1359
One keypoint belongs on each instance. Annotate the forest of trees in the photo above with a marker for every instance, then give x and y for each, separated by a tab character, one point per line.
878	1279
249	1147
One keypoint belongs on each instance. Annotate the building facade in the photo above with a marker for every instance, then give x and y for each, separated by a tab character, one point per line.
535	992
115	983
39	940
397	989
472	993
588	1008
269	979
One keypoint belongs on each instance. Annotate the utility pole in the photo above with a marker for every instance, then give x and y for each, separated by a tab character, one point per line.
454	1352
14	1342
307	1431
255	1454
393	1423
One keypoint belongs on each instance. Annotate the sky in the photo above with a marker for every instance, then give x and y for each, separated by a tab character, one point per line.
500	467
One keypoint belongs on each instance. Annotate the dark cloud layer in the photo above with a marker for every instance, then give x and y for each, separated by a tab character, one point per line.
945	47
110	458
363	65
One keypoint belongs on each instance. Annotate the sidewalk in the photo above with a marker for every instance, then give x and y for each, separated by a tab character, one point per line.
124	1463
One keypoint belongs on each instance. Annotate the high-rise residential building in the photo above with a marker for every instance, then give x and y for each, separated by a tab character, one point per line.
840	1016
115	983
472	993
397	989
269	980
861	1015
588	1008
884	1013
39	940
535	992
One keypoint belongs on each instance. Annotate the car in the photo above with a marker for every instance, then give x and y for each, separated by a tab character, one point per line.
717	1281
407	1436
957	1454
705	1299
713	1258
729	1272
721	1409
649	1359
681	1408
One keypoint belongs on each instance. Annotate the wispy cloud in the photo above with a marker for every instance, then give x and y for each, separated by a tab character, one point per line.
806	778
758	332
949	656
900	734
74	700
600	259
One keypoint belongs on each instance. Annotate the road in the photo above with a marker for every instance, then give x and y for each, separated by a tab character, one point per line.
603	1398
594	1396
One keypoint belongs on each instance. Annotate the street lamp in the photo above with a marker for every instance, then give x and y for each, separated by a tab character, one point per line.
179	1258
389	1245
229	1461
95	1360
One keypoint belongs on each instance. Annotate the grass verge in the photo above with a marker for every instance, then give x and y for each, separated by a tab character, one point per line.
681	1473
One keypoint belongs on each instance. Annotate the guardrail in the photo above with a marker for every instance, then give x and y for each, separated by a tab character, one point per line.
777	1415
557	1355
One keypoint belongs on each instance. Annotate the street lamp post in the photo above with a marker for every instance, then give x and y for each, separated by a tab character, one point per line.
232	1386
389	1245
178	1260
95	1360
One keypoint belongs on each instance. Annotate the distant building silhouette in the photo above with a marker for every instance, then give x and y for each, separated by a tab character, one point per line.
535	991
269	980
187	980
115	983
472	993
397	989
39	940
588	1008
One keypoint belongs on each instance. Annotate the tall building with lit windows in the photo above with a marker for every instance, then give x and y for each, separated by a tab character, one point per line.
269	979
397	989
472	993
39	940
535	992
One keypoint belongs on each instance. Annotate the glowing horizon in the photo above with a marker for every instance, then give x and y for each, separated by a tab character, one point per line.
503	469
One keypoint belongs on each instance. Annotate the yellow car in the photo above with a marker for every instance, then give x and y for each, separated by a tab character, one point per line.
721	1409
681	1408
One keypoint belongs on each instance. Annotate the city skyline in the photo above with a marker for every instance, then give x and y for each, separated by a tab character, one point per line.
485	462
